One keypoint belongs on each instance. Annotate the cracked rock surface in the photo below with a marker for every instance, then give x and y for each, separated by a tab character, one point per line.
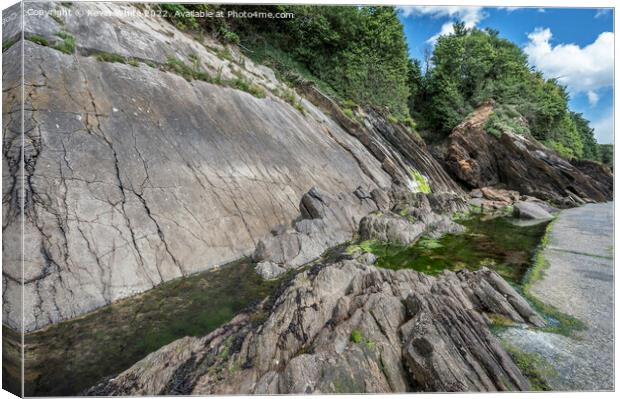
133	184
347	327
135	176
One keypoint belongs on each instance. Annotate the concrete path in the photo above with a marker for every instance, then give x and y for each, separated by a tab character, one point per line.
578	282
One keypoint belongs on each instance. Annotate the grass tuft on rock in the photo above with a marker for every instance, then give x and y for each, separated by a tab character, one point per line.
68	44
108	57
8	44
356	336
243	84
40	40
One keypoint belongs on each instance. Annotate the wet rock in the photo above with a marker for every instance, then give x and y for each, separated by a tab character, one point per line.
381	198
449	349
476	193
414	215
347	327
367	258
500	195
530	210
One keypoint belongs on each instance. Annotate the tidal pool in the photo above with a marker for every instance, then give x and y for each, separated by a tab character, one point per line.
497	243
71	356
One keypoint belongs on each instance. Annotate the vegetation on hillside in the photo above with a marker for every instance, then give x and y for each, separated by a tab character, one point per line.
359	56
356	54
472	66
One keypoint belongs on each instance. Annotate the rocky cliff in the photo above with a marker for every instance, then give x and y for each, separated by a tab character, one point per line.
150	154
478	159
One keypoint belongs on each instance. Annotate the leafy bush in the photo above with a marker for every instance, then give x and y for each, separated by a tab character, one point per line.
360	53
229	36
606	154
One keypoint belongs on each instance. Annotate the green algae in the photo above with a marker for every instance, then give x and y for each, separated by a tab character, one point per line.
533	366
496	243
420	180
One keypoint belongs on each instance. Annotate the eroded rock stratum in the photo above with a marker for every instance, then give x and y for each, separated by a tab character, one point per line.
346	327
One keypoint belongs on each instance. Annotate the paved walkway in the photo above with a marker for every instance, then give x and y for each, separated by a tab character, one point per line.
578	282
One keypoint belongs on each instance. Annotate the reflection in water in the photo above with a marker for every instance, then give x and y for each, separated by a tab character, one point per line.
71	356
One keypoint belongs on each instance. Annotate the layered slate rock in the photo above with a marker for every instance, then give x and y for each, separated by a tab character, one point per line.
347	327
478	159
402	154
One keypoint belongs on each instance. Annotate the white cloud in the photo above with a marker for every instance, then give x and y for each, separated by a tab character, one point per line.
592	98
581	69
601	12
446	29
469	15
604	129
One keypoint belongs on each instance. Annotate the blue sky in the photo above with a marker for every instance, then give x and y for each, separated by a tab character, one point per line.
574	45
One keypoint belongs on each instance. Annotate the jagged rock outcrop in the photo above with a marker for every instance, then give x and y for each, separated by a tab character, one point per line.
135	175
347	327
414	215
478	159
401	153
325	222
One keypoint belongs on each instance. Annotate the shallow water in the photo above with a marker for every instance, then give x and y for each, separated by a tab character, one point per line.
71	356
499	243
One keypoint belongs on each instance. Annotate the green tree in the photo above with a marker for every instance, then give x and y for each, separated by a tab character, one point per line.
471	66
606	154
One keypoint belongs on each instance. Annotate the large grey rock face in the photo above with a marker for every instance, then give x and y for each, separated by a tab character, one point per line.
347	327
135	176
